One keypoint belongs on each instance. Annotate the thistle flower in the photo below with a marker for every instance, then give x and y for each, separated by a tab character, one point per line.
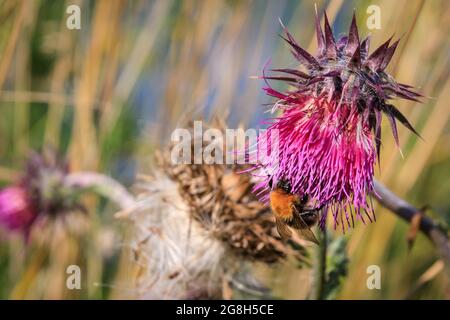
45	206
40	192
16	210
329	130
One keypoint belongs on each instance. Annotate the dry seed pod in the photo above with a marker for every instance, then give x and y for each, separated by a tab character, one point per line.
196	225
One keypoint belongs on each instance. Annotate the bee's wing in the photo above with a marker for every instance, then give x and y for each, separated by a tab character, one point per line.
307	234
283	229
304	230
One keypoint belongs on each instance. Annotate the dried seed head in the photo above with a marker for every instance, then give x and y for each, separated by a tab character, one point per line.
196	225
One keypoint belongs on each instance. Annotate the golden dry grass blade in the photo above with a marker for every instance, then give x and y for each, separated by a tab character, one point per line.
22	82
84	144
57	100
8	53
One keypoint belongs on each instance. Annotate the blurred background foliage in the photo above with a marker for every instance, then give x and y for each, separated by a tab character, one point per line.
109	94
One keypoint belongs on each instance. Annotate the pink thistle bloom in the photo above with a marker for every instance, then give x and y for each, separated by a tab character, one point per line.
16	210
40	191
329	130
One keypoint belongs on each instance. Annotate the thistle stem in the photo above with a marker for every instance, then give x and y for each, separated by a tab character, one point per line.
407	211
320	267
103	185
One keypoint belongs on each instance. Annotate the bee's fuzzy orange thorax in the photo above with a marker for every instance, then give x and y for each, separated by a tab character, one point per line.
282	204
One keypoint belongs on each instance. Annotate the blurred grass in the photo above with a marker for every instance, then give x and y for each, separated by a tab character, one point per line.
108	94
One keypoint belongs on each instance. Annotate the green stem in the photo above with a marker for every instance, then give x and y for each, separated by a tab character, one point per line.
320	267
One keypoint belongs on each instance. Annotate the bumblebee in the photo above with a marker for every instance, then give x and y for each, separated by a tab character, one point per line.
292	211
